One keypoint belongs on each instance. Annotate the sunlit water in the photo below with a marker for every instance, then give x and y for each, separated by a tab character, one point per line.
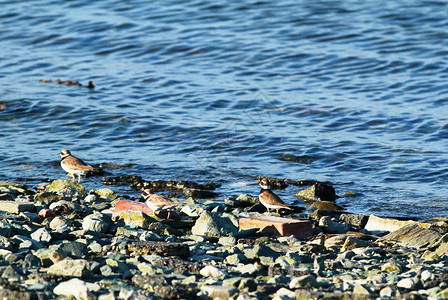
352	92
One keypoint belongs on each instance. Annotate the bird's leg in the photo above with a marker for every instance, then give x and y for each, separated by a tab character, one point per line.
73	176
168	217
277	212
79	178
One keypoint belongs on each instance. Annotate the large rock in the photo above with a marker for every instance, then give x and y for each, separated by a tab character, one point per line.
412	235
384	224
71	267
317	192
76	288
67	189
16	207
212	224
95	223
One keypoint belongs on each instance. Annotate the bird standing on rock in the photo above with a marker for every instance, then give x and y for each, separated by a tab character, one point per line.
74	165
157	202
269	199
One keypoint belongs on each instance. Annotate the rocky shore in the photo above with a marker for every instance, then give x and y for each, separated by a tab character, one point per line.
59	241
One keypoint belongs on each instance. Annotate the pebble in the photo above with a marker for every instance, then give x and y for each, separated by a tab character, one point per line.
80	252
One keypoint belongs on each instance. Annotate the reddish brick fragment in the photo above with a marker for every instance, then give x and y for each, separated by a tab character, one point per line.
46	213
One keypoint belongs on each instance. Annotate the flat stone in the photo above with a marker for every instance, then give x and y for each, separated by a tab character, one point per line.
123	205
383	224
277	225
16	207
413	235
71	267
218	291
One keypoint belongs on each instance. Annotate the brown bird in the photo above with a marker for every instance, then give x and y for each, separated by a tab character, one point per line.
157	202
269	199
74	165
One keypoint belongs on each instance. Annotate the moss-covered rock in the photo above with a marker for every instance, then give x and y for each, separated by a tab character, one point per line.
65	188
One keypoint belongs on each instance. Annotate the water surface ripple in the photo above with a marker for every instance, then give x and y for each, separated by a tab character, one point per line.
352	92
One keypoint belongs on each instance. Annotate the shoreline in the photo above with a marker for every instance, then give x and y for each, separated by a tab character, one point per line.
64	241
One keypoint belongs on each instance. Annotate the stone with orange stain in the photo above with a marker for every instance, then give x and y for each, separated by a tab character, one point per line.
277	226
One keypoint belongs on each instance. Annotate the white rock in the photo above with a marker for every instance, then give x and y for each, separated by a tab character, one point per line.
284	292
210	271
406	283
426	275
76	288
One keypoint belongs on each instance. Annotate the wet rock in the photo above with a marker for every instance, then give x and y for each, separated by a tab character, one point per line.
71	267
200	194
212	224
105	193
159	248
67	189
16	207
355	220
413	235
317	192
326	205
247	200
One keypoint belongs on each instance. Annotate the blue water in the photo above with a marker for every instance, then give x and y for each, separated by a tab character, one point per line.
353	92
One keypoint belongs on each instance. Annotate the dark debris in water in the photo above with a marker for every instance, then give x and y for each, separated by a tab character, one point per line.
90	84
161	185
303	159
